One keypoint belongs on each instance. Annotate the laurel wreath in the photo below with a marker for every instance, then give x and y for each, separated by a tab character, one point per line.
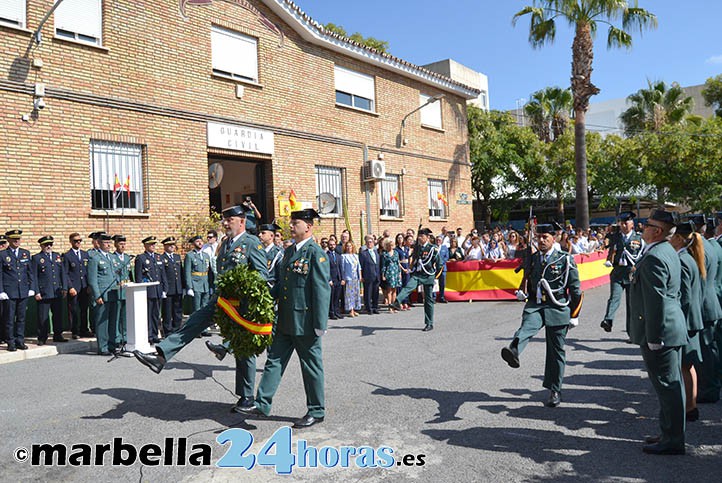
256	304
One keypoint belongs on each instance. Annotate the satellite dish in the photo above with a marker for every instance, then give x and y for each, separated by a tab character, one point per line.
215	175
326	203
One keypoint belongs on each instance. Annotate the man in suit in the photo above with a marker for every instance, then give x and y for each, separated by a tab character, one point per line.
17	283
554	302
173	301
103	283
371	275
50	288
443	258
3	303
303	294
149	268
240	247
118	329
196	267
336	280
658	325
75	263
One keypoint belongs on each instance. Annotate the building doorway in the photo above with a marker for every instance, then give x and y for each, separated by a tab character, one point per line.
236	179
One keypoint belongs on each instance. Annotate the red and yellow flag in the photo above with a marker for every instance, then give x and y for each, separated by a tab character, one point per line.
229	307
295	205
394	197
116	185
126	186
441	196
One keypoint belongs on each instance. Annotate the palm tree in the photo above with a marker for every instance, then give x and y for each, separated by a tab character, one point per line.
584	16
655	107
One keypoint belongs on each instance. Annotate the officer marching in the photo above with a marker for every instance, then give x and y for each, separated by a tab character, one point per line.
624	250
50	288
426	266
274	253
554	301
196	266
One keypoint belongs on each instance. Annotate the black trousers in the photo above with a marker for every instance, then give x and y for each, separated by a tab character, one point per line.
78	312
336	293
371	295
45	306
172	313
15	321
3	309
153	319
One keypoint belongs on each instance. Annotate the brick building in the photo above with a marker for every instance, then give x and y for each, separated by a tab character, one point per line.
154	93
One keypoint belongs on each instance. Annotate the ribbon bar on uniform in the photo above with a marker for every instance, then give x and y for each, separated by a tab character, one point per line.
229	307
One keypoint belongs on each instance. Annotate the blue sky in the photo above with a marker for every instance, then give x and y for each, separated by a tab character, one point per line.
686	47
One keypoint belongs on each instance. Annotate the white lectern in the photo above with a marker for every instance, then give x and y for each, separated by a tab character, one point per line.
136	316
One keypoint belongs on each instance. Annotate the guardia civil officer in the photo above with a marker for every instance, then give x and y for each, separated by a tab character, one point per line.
149	268
554	302
16	286
50	288
624	249
196	266
3	303
103	283
274	253
75	263
118	330
425	267
658	325
240	247
174	284
303	294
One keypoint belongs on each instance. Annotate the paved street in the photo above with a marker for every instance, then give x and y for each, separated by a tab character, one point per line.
445	394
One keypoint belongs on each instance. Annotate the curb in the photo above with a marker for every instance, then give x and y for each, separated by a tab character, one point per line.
35	351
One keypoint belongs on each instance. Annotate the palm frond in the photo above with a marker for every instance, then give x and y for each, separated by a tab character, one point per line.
618	38
638	19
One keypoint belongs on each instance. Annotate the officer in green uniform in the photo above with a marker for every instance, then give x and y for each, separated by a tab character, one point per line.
239	247
658	325
625	247
274	253
103	283
196	265
122	267
426	266
554	301
304	295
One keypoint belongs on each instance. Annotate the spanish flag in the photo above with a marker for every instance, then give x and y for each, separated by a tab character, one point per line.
394	197
441	196
116	185
295	205
126	186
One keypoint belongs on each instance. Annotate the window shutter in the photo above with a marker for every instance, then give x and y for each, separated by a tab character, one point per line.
431	114
13	11
81	17
234	53
355	83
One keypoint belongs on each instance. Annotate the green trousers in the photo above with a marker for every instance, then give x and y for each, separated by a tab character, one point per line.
617	285
708	377
413	283
117	330
308	348
199	300
105	325
665	371
531	324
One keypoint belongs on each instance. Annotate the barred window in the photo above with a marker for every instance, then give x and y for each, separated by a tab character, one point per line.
330	180
80	20
390	193
116	173
438	203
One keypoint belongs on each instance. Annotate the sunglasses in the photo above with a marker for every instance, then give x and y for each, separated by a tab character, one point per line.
210	236
77	240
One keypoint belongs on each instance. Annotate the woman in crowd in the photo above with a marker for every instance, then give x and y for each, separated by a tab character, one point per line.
495	253
474	252
511	247
456	254
351	273
390	273
564	244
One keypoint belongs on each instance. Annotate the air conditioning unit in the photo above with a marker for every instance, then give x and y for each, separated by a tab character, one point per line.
374	170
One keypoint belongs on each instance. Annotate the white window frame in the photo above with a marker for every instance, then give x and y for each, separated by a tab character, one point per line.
234	55
437	208
360	89
389	189
108	158
329	179
431	113
13	13
80	21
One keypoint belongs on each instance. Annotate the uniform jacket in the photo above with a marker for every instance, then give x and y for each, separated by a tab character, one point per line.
620	260
17	278
717	244
195	264
173	268
122	271
691	292
273	258
102	278
247	249
303	291
49	275
656	312
76	269
711	310
428	254
370	270
149	268
554	270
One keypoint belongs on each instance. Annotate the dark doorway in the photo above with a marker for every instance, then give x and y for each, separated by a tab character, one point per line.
241	178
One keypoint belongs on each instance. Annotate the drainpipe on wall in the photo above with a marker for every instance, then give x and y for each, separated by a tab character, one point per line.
367	191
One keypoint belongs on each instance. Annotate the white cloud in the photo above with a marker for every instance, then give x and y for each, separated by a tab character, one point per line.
715	59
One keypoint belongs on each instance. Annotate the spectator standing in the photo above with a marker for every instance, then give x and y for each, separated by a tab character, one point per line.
443	259
371	275
351	271
390	273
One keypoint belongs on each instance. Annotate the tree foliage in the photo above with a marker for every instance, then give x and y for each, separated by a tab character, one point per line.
712	93
371	42
656	106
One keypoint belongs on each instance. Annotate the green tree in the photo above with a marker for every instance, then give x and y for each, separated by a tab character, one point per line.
712	94
584	16
615	169
371	42
656	106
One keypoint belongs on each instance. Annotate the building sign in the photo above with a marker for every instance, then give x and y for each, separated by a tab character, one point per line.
239	138
463	199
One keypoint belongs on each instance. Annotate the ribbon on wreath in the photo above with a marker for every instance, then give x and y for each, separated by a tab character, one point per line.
229	308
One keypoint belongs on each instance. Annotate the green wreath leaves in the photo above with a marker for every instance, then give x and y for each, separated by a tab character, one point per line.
256	305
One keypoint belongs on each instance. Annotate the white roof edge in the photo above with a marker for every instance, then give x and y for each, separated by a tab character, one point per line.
309	31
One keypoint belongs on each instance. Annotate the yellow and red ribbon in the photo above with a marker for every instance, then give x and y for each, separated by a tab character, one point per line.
229	307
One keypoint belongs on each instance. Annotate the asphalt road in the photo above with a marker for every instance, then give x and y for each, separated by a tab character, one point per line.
446	395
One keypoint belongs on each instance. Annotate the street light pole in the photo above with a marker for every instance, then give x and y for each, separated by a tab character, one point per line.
431	100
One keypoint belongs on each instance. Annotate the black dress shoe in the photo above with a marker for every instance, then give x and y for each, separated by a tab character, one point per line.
105	353
60	339
251	410
22	347
245	403
41	342
692	415
12	348
218	350
376	311
76	337
427	328
332	317
511	356
555	398
443	301
657	448
152	361
652	439
606	325
307	421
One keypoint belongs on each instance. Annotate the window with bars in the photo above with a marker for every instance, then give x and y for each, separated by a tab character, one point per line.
234	55
330	180
391	200
12	12
116	173
438	203
80	20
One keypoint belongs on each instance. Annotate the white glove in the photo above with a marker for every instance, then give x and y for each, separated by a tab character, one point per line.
573	322
608	264
164	295
4	296
319	332
654	347
31	293
190	292
520	296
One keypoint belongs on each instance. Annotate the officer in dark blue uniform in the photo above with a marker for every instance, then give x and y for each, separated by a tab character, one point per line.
3	303
149	268
50	288
173	302
75	264
16	285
